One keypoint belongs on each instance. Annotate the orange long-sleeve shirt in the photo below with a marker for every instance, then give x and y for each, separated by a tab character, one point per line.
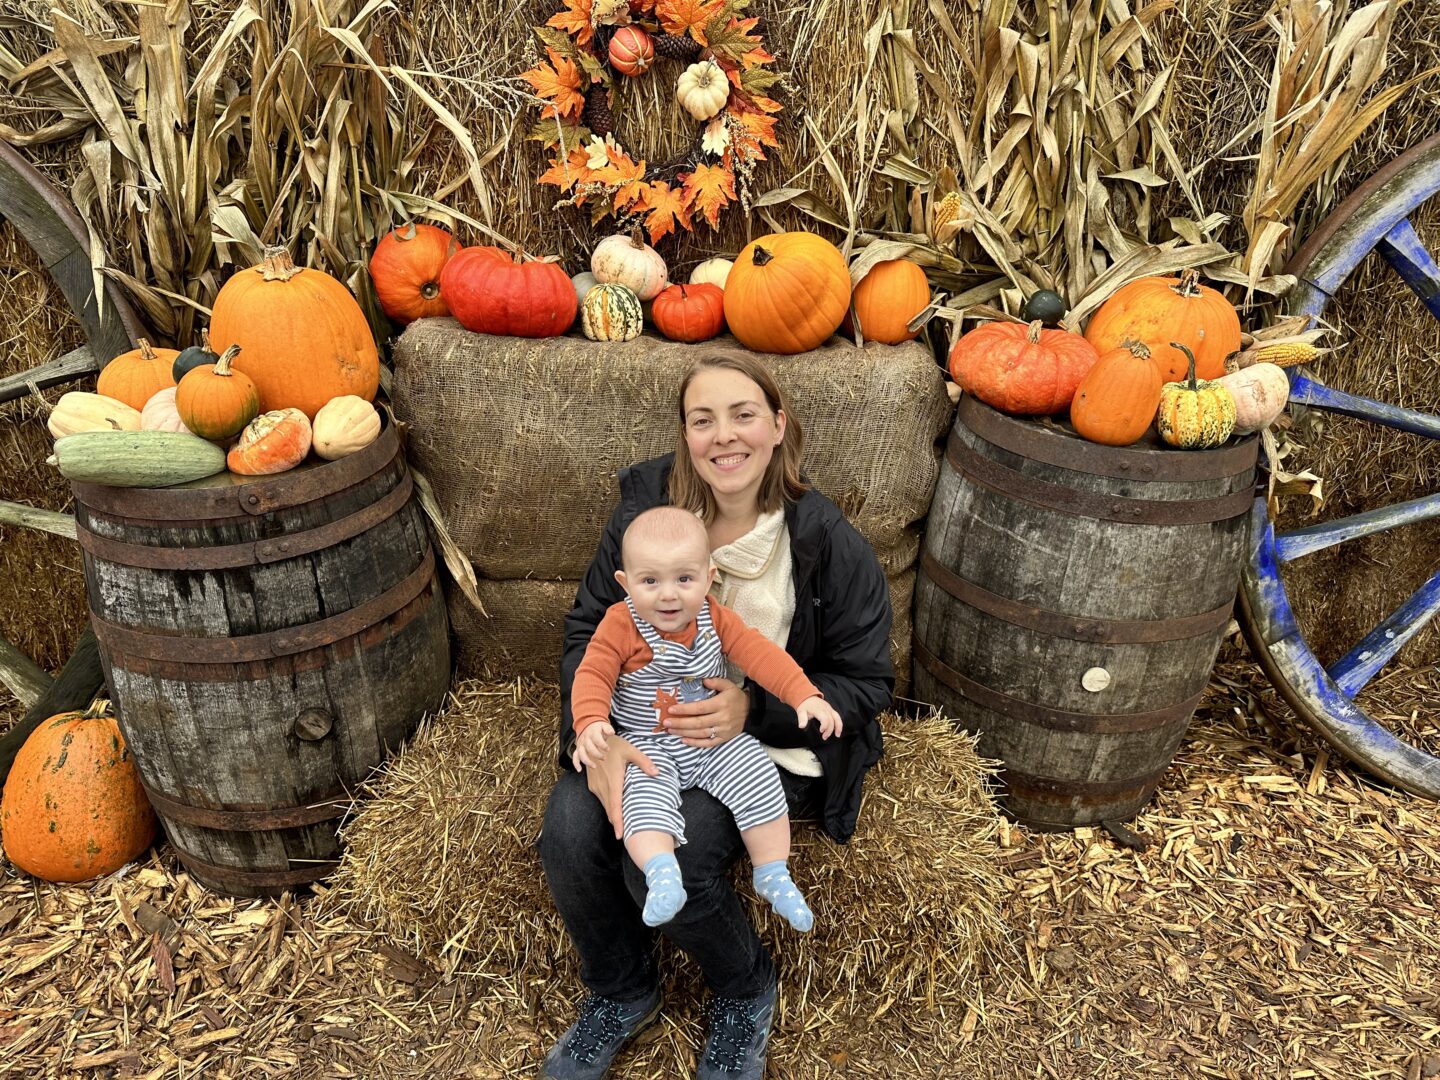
617	649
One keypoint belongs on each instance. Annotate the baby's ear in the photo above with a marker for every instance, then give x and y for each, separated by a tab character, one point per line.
620	577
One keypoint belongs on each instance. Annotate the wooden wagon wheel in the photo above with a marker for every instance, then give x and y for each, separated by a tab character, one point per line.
49	223
1374	218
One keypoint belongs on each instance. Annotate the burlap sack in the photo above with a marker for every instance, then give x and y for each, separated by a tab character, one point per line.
522	438
523	630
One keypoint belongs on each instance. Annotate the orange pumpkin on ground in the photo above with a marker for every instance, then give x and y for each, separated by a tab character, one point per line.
73	807
215	402
1116	401
271	443
888	297
1019	369
787	292
406	271
303	338
134	376
1163	310
689	312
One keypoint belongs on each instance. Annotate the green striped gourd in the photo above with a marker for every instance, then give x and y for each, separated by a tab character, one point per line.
136	458
611	313
1195	414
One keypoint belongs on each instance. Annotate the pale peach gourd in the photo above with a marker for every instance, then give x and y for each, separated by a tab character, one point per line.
629	261
344	425
80	411
1261	392
160	413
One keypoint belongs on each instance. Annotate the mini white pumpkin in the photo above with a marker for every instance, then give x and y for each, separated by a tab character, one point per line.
703	89
583	282
712	271
629	261
160	413
344	425
80	411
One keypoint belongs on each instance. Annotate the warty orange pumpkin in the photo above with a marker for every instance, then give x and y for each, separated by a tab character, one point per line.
303	337
271	443
73	807
1020	369
787	292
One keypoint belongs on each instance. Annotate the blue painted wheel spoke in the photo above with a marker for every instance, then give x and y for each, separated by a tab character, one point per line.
1357	667
1292	545
1402	249
1304	391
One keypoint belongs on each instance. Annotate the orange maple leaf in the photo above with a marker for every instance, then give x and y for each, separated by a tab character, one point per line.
626	175
575	20
708	190
566	172
561	83
765	104
756	131
663	208
680	16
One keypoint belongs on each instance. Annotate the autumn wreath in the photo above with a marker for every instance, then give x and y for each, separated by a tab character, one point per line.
592	42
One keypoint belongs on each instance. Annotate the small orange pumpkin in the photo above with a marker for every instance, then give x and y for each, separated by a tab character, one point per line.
1020	369
1116	401
304	337
215	401
134	376
689	312
787	292
73	807
1163	310
406	270
888	297
271	443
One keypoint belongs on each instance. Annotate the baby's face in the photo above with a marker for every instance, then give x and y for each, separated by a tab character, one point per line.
667	582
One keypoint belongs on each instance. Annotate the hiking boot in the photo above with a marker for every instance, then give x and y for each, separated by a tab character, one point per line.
590	1044
739	1032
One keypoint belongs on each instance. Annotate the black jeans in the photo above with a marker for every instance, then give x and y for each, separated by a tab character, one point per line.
600	892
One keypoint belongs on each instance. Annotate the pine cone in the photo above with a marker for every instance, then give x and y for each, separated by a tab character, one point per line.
598	116
676	46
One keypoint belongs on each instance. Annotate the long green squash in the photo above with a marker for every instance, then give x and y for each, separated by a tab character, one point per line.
136	458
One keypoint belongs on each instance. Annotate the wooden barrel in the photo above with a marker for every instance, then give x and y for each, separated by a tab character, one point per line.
267	643
1070	603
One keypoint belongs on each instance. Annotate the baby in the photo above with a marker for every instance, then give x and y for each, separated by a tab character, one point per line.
653	650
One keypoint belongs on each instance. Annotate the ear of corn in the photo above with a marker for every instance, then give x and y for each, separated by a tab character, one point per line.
1286	354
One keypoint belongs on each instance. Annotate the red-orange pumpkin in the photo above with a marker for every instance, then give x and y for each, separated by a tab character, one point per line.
73	807
406	270
271	443
787	292
1020	369
888	297
492	293
1161	310
303	338
689	312
133	377
631	51
1117	399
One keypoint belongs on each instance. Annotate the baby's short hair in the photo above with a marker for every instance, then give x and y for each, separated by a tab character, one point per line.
664	525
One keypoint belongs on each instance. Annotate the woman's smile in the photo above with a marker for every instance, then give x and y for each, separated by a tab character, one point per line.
730	431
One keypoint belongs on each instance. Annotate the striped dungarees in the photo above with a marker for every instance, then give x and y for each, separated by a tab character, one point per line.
738	772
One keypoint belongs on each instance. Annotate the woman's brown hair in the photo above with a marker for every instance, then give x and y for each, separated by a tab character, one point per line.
782	476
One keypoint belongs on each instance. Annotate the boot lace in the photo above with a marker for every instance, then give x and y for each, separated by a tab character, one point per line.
600	1025
732	1031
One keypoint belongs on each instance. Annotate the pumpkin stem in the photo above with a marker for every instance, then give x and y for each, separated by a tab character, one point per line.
1138	349
761	256
98	708
205	339
1189	283
637	238
222	366
1032	333
146	352
1190	378
277	265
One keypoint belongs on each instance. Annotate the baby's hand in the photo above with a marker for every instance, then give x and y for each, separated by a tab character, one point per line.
817	708
590	744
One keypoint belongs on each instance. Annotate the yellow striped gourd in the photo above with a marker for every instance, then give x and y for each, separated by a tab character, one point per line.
1195	415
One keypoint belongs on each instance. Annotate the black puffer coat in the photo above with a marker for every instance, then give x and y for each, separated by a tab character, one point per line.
840	635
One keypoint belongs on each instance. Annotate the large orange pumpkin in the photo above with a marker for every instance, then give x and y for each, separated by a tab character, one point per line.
787	292
1117	399
406	270
888	297
134	377
302	336
73	807
1020	369
1161	310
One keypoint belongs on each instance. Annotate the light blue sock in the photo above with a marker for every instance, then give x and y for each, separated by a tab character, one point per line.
772	881
665	896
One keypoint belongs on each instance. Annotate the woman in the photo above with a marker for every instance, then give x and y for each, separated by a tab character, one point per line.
791	565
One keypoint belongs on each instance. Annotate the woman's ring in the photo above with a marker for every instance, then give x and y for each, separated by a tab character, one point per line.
712	732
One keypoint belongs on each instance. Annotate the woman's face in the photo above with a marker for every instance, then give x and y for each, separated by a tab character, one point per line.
731	432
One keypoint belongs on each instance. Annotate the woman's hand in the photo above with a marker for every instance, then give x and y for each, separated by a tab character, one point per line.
712	721
605	771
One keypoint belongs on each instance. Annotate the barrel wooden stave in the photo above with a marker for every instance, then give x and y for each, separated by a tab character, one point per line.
1056	564
226	736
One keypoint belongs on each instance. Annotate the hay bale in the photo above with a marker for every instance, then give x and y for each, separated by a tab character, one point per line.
522	629
440	859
